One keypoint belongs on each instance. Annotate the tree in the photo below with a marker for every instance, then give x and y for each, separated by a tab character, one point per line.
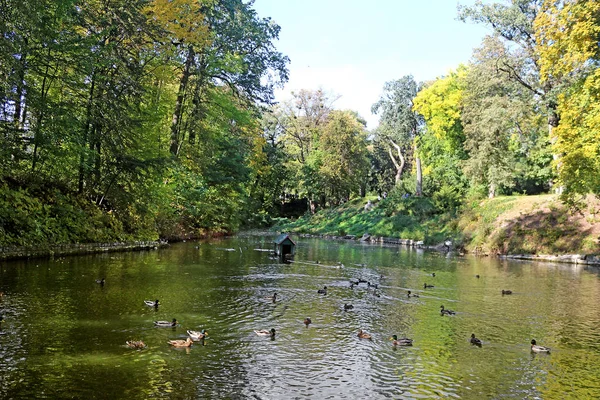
399	125
442	142
568	34
514	23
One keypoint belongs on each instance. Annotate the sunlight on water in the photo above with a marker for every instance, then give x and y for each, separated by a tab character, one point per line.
64	335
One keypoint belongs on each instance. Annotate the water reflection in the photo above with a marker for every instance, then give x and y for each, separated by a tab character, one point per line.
64	335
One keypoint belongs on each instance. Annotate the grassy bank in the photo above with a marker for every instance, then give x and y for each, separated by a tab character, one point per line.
506	225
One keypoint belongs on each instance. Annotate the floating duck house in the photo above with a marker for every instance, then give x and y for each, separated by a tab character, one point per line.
284	246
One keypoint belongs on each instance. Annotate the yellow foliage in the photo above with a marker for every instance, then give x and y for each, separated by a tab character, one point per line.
182	18
567	33
579	136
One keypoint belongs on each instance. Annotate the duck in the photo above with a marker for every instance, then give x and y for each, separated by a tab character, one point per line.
135	344
477	276
307	321
348	307
506	291
151	303
401	341
197	336
426	286
474	341
433	274
265	332
166	324
409	294
181	343
446	312
322	291
538	349
101	281
272	298
363	335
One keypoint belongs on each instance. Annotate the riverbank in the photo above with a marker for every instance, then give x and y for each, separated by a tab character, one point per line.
14	252
539	227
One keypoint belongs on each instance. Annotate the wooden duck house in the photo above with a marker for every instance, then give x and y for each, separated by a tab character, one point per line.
284	246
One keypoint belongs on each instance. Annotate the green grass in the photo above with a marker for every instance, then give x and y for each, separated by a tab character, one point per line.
507	224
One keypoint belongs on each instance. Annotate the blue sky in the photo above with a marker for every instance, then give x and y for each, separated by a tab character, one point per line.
352	47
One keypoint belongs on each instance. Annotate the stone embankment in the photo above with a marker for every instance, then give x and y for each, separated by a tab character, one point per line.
13	252
583	259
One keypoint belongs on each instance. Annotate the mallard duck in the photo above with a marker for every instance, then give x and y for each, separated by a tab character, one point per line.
322	291
409	294
101	281
307	321
348	307
166	324
197	336
401	341
474	341
181	343
265	332
426	286
538	349
272	298
506	291
363	335
135	344
151	303
446	312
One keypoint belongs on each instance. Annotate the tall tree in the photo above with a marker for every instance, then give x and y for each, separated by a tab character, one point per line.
399	124
568	33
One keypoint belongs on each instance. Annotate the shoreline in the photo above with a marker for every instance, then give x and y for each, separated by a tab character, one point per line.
576	259
26	252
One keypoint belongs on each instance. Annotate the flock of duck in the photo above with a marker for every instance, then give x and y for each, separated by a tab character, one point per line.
199	336
396	341
193	336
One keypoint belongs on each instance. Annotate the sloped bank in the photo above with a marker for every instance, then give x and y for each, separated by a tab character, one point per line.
537	228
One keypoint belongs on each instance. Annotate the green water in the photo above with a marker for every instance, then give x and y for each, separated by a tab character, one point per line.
64	335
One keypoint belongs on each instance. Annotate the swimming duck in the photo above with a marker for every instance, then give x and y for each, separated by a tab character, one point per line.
348	307
166	324
409	294
307	321
265	332
151	303
272	298
401	341
477	276
538	349
475	341
426	286
363	335
433	274
506	291
101	281
135	344
196	336
322	291
446	312
181	343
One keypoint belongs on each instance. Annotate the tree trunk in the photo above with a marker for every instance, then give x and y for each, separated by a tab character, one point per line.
553	120
177	114
419	187
20	89
492	190
84	139
399	164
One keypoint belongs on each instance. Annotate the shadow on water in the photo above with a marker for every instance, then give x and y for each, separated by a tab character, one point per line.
64	335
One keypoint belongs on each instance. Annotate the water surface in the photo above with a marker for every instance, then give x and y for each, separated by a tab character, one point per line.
64	335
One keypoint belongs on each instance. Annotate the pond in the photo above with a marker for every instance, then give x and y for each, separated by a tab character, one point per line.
64	335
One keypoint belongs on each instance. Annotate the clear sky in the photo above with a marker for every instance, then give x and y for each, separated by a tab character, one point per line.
352	47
